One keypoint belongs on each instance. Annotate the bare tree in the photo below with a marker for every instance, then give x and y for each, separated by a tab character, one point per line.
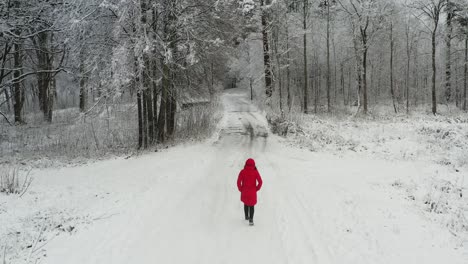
366	17
432	9
325	6
450	10
266	47
462	21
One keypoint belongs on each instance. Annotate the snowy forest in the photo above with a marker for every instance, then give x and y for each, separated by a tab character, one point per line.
100	99
163	56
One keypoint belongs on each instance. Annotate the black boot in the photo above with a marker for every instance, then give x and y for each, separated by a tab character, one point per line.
251	215
246	212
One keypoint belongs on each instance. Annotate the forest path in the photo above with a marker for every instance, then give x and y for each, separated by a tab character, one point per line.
182	206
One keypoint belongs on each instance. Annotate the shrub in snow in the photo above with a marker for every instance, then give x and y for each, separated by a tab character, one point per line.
198	121
283	127
438	196
446	200
11	181
397	184
458	221
105	129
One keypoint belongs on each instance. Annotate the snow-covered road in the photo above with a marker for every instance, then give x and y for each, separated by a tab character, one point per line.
182	206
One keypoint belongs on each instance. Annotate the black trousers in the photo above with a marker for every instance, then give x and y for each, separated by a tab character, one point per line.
249	212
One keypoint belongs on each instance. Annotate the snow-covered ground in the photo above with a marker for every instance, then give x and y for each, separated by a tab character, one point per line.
181	205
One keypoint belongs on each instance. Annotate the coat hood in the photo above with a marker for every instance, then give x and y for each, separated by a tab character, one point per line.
250	163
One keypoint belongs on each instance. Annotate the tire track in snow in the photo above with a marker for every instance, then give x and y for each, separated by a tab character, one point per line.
296	218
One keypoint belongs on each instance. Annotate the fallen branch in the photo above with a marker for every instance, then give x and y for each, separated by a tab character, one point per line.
27	182
36	241
6	118
4	254
90	109
104	216
44	244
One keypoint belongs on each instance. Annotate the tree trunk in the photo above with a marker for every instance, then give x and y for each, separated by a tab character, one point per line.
165	127
171	100
392	89
266	52
7	98
379	79
83	94
162	105
211	87
335	83
145	113
371	78
140	119
146	119
416	71
149	105
448	71
434	99
364	76
348	94
168	111
466	73
18	85
328	58
139	89
155	101
137	85
317	87
45	76
342	83
358	69
51	98
4	57
408	58
457	85
278	63
251	88
305	106
288	71
171	110
155	77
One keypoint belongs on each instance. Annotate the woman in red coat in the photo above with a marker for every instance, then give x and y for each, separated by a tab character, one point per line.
248	183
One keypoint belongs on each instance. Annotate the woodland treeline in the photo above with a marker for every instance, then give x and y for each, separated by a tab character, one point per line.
150	51
324	54
316	55
321	55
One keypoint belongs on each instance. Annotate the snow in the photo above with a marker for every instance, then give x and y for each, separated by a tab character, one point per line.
181	205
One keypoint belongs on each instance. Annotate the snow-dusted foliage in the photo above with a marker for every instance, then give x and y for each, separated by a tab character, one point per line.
14	181
439	142
247	6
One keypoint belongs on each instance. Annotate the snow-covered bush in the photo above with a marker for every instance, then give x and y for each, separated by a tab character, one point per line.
312	132
282	126
12	181
450	138
106	129
197	122
439	139
446	200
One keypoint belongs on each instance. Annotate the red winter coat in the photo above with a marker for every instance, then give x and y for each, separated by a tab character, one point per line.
247	183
